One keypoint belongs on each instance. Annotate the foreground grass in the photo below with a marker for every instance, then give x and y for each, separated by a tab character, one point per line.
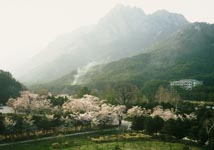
83	142
134	145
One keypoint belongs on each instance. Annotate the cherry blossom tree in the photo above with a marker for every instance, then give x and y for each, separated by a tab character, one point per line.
94	111
135	111
29	102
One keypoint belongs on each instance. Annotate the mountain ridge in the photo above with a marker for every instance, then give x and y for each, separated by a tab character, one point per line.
121	35
187	53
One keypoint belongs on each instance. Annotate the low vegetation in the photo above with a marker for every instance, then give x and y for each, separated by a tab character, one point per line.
136	141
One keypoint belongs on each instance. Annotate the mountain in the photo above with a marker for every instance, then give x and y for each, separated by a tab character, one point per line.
9	87
123	32
187	53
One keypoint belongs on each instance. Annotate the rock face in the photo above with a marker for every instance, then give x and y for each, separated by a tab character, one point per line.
125	31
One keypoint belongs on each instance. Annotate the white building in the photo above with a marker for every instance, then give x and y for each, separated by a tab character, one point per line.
186	83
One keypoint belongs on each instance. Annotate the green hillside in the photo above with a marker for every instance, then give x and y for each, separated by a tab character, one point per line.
9	87
188	53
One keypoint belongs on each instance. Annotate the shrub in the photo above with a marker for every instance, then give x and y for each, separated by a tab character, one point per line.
2	137
65	144
117	147
186	147
55	145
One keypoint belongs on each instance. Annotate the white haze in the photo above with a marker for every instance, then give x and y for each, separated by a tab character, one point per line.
27	26
82	71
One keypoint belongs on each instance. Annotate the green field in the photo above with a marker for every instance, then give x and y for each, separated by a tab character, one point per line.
84	142
134	145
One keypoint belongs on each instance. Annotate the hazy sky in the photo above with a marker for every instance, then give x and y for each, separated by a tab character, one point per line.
27	26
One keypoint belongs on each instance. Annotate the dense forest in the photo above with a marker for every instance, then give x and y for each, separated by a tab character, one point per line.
9	87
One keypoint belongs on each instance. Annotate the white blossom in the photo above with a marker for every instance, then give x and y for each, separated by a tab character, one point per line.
9	123
91	109
164	114
135	111
29	102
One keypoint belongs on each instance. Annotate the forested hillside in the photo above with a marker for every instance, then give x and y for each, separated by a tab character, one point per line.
188	53
9	87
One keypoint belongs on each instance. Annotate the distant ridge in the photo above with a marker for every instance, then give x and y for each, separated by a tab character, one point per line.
187	53
123	32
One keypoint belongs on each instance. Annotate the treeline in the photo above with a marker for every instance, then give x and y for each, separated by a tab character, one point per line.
133	93
139	89
9	87
154	89
200	93
198	129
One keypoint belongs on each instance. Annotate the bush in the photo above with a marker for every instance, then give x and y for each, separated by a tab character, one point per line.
2	137
120	137
55	145
117	147
65	144
186	147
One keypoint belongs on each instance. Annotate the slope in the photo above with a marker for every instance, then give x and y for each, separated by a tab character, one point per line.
124	32
188	53
9	87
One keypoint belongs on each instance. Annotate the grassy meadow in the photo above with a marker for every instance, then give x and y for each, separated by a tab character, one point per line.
100	141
